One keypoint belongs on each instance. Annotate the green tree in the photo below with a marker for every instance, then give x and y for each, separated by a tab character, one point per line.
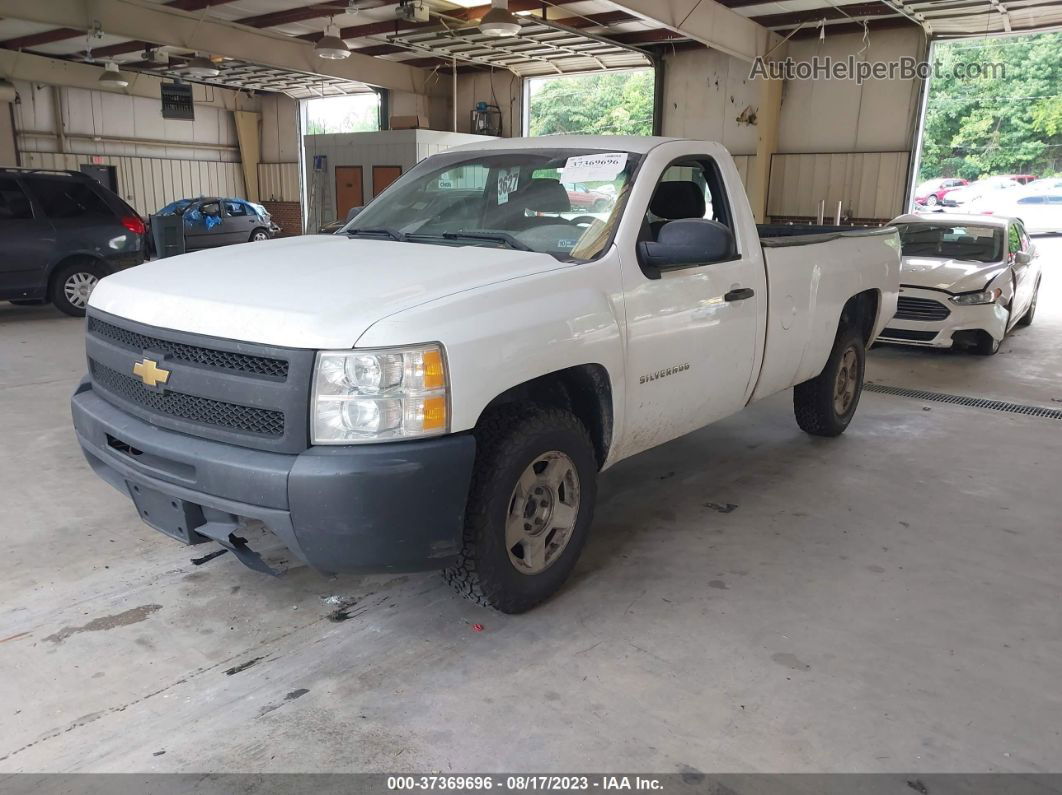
609	103
1007	121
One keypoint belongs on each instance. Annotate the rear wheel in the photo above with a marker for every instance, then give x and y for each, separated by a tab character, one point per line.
826	404
529	508
258	235
73	284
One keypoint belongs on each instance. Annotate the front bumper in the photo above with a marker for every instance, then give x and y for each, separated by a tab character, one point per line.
377	507
991	318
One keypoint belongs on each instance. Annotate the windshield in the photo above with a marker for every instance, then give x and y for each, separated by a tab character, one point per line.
942	241
563	202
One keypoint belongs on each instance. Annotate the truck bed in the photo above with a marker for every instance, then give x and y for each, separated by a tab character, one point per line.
803	234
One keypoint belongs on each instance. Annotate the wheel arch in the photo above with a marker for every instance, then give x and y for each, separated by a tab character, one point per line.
69	259
861	313
585	390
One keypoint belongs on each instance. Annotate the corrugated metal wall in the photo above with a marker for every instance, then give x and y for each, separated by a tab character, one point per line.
149	183
278	182
869	185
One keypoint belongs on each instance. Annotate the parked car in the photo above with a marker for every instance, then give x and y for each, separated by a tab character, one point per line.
1021	179
1040	211
583	198
439	390
211	221
62	232
966	280
957	197
931	192
1045	185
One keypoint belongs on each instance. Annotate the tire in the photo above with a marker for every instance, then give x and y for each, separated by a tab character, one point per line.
600	205
932	201
73	283
821	408
519	450
258	235
1030	313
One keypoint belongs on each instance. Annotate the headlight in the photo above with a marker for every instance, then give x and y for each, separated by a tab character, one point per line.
371	396
986	297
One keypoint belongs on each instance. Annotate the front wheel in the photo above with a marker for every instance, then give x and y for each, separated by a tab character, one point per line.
72	286
258	235
529	508
826	404
932	201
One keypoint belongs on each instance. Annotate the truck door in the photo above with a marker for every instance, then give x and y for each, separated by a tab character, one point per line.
693	332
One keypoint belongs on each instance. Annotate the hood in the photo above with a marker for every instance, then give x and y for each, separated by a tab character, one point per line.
313	291
953	275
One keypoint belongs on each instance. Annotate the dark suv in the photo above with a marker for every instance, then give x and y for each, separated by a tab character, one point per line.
60	233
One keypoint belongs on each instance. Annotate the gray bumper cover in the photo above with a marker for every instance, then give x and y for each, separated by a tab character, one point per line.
378	507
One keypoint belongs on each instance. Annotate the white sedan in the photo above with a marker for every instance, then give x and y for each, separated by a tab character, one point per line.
1040	209
965	280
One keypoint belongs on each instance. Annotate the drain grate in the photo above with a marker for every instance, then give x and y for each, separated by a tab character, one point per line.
961	400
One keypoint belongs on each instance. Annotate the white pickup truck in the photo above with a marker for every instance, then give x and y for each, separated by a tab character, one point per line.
438	384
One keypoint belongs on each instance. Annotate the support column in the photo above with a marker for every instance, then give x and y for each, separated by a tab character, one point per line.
767	119
247	134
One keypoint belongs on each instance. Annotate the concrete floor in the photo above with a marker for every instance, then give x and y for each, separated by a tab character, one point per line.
886	601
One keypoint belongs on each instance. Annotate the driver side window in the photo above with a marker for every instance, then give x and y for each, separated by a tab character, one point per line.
687	189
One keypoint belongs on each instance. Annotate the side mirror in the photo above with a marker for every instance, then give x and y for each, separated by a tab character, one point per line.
352	214
687	242
1022	258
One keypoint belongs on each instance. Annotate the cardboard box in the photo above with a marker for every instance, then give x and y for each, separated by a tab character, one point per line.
409	123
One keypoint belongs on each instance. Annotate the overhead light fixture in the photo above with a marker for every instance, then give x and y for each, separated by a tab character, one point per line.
201	67
111	77
330	46
499	21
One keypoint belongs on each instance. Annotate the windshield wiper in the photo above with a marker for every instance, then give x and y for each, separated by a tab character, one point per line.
494	237
391	233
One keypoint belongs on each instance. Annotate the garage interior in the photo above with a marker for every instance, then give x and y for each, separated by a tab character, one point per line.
751	599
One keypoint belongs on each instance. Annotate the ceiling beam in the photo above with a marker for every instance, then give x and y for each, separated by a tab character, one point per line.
854	11
163	25
706	21
40	69
62	34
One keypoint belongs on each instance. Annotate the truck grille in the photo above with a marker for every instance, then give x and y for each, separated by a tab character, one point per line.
194	354
920	309
241	393
193	408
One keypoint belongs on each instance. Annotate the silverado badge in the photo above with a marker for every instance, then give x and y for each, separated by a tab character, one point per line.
150	373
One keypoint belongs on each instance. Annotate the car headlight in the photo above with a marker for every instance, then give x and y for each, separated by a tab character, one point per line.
377	395
985	297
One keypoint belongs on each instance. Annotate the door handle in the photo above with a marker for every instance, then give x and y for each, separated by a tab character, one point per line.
740	294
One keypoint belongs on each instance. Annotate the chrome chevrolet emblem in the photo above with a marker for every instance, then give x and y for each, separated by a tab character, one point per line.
150	373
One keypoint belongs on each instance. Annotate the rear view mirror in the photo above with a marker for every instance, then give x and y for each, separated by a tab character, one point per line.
1022	258
352	213
687	242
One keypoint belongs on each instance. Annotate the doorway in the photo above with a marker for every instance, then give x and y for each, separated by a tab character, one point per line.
382	176
107	176
349	192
